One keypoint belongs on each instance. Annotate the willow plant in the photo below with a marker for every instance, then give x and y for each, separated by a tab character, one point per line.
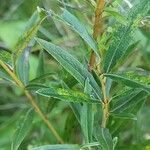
102	92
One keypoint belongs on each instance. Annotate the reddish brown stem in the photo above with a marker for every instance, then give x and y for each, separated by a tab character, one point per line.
97	29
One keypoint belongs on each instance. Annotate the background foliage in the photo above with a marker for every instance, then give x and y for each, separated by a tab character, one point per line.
22	128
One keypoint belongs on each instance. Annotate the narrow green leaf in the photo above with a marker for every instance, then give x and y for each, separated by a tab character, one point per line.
124	115
128	101
87	115
24	45
40	69
121	40
86	120
128	82
117	15
123	35
77	26
25	124
72	65
66	95
30	31
42	77
22	66
74	106
35	86
104	138
58	147
124	58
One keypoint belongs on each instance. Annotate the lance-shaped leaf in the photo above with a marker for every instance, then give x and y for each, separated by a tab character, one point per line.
72	65
123	35
124	116
57	147
128	82
30	31
103	136
128	100
21	54
77	26
40	69
87	115
25	124
66	95
22	66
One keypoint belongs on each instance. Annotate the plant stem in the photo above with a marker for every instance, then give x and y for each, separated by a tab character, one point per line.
97	29
105	102
32	101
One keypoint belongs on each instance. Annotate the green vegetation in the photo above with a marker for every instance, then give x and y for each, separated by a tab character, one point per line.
74	75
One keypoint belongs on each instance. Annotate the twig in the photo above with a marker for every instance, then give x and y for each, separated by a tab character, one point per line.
97	29
105	102
32	101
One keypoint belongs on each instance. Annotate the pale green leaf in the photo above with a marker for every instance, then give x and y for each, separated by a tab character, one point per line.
66	95
58	147
5	56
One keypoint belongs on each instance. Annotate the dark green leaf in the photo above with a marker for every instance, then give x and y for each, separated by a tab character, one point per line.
104	138
128	101
123	35
25	124
30	31
40	69
77	26
128	82
5	76
72	65
24	45
35	86
87	115
22	66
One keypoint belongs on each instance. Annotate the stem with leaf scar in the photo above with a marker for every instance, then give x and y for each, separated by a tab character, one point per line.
98	30
105	102
32	101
